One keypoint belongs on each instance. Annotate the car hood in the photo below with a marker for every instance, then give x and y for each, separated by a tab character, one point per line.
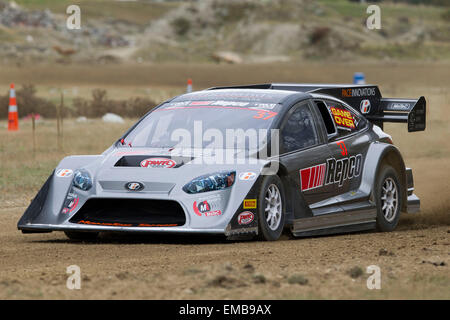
161	169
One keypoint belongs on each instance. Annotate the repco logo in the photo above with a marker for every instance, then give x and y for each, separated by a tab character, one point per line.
340	170
334	171
158	163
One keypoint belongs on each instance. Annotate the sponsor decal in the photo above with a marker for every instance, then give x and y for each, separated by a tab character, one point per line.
64	173
134	186
247	176
333	171
340	170
245	217
158	163
365	106
343	148
262	109
397	106
70	203
229	103
343	118
358	92
269	106
250	204
208	207
312	177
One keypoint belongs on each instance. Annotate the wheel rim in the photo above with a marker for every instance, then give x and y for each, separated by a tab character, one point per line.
273	207
389	199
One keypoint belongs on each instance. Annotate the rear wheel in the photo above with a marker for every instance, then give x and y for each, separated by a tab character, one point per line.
81	236
271	209
388	199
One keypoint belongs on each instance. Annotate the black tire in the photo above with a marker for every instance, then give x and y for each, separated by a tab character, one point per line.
265	232
387	221
81	236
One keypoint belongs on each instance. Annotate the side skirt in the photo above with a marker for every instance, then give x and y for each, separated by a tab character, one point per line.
347	221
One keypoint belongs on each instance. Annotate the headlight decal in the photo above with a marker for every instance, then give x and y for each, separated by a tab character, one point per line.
210	182
82	180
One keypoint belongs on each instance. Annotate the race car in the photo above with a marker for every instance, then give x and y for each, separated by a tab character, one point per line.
243	162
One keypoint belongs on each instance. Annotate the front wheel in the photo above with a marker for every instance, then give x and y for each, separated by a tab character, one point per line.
388	199
271	209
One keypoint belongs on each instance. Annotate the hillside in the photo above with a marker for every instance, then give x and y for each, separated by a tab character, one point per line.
234	31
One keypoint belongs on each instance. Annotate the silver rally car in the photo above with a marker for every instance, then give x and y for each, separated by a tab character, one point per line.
241	162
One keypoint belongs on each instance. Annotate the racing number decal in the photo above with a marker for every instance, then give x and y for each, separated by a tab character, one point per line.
265	114
341	145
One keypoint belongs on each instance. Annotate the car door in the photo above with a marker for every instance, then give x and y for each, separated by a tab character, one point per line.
303	152
347	146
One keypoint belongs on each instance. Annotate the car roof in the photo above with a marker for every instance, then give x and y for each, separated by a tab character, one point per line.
247	95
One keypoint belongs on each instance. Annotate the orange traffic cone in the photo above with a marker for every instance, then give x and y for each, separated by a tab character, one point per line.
13	116
189	86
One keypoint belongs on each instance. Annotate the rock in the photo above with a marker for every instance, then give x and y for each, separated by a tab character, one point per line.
298	279
112	118
227	56
222	281
259	278
249	268
355	272
384	252
81	120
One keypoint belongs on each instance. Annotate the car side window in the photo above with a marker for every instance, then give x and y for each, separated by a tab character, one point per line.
326	117
345	119
299	131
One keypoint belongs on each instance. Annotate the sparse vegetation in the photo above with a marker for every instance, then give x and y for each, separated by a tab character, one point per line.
95	108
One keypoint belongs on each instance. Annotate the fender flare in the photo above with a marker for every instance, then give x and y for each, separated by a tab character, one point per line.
54	189
378	154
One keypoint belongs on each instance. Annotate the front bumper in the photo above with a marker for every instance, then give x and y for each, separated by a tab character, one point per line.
42	228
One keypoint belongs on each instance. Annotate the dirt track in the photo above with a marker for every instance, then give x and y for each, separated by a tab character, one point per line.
414	260
414	264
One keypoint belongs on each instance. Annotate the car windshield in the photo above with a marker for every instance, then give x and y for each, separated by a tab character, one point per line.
204	124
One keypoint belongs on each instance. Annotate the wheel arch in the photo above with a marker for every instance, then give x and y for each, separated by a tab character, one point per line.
378	155
295	204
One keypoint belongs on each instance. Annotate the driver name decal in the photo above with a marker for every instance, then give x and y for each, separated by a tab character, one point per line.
333	171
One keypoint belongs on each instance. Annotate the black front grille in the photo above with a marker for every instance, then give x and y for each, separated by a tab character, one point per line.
130	213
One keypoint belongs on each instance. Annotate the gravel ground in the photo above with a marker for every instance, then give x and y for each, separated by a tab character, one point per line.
413	263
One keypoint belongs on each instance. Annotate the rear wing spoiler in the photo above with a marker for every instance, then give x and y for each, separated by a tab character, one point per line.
365	98
411	111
